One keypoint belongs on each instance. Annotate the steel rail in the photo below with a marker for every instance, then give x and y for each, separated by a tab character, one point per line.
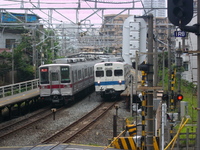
81	124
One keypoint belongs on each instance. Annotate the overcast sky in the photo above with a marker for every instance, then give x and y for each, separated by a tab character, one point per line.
68	15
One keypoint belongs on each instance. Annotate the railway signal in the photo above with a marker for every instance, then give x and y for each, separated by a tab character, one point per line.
165	97
180	12
179	97
144	67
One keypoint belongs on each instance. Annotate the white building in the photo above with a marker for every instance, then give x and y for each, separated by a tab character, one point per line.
189	59
134	40
7	39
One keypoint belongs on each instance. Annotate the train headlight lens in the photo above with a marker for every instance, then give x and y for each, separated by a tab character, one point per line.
43	87
67	86
98	82
120	82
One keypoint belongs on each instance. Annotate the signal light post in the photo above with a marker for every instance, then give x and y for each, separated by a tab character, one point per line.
198	74
180	16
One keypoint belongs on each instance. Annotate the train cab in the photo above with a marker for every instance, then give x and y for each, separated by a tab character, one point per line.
110	78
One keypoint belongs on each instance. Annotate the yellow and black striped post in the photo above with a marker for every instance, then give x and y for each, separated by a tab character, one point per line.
132	129
172	104
125	143
143	110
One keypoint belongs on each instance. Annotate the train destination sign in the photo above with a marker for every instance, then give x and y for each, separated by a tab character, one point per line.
179	33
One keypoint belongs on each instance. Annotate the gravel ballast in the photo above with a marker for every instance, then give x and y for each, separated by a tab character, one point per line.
99	134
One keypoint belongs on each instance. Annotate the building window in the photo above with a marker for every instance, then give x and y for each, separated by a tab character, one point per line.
9	43
185	66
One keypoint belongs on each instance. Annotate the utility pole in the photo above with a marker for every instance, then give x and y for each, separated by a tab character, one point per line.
169	64
34	53
198	74
150	121
179	61
155	66
13	62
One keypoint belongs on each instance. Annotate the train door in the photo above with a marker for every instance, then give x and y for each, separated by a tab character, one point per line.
55	83
44	82
119	77
109	78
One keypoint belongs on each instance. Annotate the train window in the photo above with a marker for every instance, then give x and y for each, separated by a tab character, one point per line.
90	71
118	72
79	75
54	76
72	76
99	73
86	73
44	76
75	76
65	76
108	73
83	74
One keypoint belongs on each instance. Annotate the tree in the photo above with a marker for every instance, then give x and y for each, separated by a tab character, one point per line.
23	54
23	59
5	64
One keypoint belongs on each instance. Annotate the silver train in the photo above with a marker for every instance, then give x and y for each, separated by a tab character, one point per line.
62	81
111	78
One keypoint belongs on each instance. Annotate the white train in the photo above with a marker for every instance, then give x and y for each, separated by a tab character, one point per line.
111	78
65	79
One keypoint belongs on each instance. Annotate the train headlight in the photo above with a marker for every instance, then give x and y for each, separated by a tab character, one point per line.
67	86
43	87
120	81
98	82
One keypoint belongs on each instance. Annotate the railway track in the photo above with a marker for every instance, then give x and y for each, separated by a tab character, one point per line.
67	134
26	122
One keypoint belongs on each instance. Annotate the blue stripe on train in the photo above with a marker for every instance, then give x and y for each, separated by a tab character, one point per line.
109	83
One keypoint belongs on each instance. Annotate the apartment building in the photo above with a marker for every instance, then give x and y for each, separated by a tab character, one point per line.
112	31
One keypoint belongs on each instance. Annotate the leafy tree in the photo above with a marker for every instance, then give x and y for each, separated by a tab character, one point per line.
49	52
23	59
5	64
23	55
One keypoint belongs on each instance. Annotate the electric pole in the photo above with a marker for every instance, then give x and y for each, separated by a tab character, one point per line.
198	74
150	121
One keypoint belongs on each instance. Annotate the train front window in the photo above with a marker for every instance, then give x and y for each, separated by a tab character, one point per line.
108	73
118	72
54	76
99	73
65	76
44	76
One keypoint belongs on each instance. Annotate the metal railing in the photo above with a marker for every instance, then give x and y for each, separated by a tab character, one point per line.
16	88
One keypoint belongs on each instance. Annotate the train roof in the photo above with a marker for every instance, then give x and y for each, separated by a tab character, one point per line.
115	62
77	63
112	59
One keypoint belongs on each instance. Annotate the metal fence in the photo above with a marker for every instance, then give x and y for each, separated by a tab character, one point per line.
187	140
16	88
